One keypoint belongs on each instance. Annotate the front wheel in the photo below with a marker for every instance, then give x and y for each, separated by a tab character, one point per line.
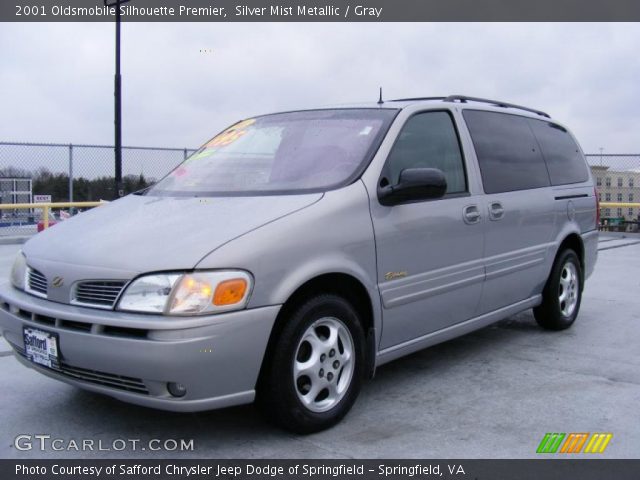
316	369
562	294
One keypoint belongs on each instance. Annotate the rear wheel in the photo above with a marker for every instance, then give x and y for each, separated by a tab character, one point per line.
316	369
562	294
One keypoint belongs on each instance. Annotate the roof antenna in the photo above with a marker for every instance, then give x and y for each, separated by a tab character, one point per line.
380	101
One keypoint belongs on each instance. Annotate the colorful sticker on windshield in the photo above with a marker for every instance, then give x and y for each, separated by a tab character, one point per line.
179	172
227	137
231	134
198	155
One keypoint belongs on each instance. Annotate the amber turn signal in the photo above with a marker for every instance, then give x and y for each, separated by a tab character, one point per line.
230	292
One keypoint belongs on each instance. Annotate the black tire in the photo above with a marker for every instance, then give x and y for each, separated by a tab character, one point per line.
278	392
552	313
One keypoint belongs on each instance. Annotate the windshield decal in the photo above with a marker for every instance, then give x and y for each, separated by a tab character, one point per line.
230	135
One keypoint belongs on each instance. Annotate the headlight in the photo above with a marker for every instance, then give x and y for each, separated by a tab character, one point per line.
19	271
191	293
149	293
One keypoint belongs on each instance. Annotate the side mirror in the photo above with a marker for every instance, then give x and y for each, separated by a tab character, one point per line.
414	184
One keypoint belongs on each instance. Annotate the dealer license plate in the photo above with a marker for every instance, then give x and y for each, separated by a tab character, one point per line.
41	347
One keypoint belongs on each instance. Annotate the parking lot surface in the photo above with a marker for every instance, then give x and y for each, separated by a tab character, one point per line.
491	394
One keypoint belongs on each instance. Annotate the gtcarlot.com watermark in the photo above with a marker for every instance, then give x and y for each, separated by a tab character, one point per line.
47	443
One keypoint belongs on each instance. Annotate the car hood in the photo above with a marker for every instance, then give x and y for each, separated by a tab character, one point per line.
144	233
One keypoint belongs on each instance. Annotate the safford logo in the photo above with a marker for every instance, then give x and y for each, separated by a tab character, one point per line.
57	282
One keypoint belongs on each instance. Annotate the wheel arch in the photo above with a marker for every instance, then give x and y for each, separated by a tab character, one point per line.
549	312
341	284
575	243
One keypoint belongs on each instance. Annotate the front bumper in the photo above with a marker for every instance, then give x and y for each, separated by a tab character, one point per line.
132	357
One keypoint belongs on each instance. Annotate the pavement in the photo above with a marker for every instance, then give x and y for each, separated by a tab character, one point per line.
490	394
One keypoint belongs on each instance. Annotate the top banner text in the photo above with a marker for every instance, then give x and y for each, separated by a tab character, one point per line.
321	10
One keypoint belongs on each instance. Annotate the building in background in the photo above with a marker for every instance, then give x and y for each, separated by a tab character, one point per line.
617	185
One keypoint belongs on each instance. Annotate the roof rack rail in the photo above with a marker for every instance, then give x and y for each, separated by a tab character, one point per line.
417	99
465	99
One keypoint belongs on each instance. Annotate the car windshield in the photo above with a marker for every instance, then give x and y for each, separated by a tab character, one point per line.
287	152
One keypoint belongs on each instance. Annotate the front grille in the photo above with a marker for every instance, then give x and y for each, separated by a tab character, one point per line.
120	382
107	379
37	282
98	293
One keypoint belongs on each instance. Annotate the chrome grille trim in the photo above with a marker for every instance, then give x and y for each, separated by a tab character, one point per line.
36	283
97	293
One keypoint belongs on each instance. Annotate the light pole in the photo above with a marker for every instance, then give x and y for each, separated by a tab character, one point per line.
117	93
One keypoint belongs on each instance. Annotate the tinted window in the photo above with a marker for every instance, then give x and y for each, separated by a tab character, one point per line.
429	140
563	157
507	152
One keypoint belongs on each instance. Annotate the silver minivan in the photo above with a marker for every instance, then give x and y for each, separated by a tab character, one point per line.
294	253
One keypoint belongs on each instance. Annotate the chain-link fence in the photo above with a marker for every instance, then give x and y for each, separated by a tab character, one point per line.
31	172
617	180
44	172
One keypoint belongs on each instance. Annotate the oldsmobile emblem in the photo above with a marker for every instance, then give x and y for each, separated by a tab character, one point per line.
394	275
57	282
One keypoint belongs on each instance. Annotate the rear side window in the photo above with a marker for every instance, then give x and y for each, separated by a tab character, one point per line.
429	140
507	152
564	159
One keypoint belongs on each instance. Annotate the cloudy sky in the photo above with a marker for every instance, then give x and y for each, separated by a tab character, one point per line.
184	82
